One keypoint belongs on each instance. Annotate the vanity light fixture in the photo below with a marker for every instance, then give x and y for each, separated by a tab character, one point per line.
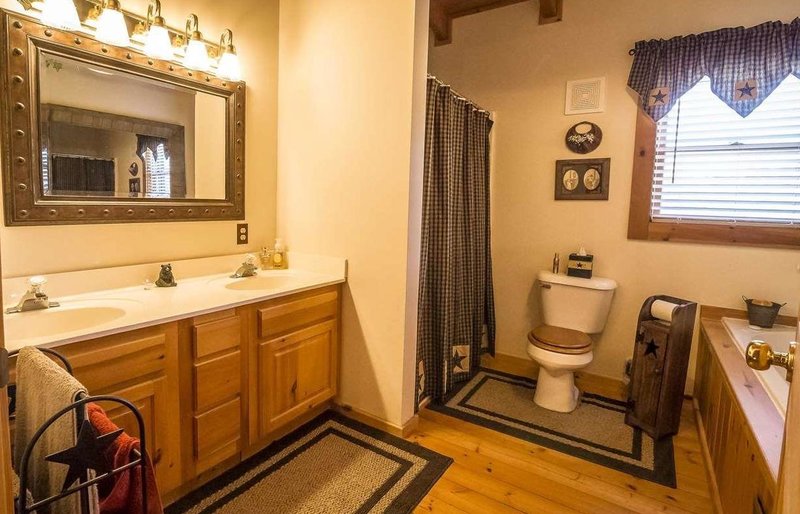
111	26
157	43
196	57
228	66
59	14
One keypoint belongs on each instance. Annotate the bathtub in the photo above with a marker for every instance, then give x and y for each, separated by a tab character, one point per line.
778	337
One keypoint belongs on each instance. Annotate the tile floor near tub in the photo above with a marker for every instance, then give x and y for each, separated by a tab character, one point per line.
494	472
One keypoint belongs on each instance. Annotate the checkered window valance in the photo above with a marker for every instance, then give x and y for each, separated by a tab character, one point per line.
745	65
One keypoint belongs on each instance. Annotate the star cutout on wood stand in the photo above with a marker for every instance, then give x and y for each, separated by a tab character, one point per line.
88	453
652	349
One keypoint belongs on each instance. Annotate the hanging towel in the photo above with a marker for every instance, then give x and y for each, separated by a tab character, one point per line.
122	494
15	490
44	388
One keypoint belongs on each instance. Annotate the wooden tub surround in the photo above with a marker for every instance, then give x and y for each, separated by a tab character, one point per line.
741	429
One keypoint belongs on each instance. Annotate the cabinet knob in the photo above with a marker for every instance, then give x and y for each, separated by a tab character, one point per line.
294	387
760	356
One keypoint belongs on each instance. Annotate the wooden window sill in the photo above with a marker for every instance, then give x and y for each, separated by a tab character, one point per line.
743	235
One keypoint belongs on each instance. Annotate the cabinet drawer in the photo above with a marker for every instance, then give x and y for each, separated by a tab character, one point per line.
102	364
217	429
216	336
281	318
217	380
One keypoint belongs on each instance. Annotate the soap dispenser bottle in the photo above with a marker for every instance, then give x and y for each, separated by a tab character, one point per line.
279	255
266	258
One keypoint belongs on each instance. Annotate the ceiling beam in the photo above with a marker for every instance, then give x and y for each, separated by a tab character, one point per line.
444	11
550	11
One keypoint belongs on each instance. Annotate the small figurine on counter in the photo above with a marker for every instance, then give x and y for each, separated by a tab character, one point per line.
165	278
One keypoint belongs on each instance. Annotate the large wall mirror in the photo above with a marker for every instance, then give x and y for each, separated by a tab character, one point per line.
100	134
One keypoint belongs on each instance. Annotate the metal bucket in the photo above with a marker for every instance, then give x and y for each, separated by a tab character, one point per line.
762	313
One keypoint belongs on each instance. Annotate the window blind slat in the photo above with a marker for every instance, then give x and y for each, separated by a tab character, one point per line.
713	165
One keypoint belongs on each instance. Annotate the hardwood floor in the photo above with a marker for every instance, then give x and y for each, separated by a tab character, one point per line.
494	472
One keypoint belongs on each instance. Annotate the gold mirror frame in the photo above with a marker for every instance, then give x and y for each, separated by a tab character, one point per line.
23	38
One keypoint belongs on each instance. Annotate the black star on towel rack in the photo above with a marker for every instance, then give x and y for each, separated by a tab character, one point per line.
88	453
652	349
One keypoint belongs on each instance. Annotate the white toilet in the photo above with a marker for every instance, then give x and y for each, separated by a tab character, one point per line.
572	308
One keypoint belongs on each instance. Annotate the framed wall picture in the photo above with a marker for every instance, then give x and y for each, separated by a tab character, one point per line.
582	179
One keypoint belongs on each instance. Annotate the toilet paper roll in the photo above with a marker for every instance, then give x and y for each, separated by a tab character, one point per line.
663	310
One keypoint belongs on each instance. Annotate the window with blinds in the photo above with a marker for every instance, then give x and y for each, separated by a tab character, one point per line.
157	173
713	165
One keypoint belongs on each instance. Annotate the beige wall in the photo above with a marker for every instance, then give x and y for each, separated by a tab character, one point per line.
345	126
29	250
510	65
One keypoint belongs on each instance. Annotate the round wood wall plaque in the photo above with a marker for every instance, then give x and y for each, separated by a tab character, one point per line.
584	137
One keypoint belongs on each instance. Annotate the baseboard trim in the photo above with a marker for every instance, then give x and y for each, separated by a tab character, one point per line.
712	478
596	384
375	422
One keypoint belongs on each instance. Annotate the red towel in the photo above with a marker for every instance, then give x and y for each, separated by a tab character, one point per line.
122	493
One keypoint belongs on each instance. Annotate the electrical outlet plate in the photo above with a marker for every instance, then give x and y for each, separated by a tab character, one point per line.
242	234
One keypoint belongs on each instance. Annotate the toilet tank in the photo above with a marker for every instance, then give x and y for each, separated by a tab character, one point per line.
577	303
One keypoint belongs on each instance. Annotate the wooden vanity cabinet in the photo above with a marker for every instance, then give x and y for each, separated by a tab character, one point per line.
218	387
295	366
140	366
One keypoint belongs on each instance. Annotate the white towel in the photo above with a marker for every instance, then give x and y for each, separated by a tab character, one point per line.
44	388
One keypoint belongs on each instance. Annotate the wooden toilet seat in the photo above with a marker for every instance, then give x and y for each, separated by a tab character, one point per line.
560	340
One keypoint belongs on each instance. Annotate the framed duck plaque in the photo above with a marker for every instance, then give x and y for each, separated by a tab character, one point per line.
582	179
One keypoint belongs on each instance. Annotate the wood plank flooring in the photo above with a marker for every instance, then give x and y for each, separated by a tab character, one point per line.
494	472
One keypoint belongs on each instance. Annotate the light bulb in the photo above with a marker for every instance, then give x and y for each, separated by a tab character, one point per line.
60	14
229	67
111	28
157	43
196	55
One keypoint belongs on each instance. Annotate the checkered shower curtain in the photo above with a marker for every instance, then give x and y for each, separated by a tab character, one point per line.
456	303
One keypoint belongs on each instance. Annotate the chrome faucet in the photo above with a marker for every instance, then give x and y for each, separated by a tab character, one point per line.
34	298
247	269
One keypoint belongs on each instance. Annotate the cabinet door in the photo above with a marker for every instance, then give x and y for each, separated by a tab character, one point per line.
296	373
646	382
141	367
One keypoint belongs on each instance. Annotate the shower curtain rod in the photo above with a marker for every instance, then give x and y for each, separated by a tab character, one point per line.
460	96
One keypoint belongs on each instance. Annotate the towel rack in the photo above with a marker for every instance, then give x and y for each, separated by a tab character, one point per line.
139	460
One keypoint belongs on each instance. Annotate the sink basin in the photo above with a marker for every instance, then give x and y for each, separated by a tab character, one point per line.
59	320
264	282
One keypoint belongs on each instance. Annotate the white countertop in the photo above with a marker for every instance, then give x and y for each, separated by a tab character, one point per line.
112	311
